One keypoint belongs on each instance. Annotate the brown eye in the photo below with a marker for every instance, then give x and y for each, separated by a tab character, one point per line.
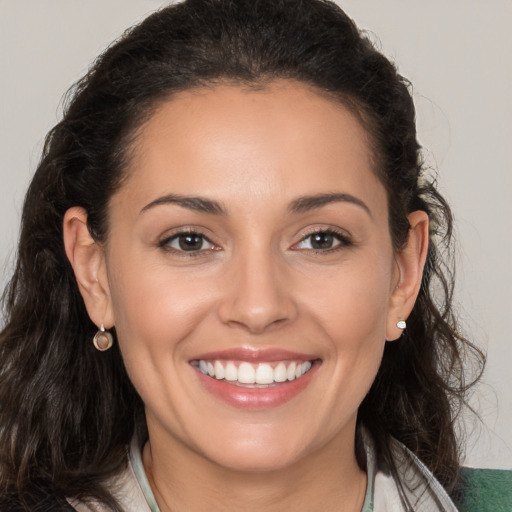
187	242
325	240
322	241
191	242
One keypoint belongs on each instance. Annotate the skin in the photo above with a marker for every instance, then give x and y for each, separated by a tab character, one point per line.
256	283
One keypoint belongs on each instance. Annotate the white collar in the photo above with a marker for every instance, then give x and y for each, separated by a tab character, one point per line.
417	484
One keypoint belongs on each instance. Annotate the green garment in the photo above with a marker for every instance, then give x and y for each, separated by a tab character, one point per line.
485	490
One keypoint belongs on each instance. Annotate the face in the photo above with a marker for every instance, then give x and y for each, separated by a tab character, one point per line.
250	273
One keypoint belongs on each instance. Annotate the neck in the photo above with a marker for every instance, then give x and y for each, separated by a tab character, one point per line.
328	479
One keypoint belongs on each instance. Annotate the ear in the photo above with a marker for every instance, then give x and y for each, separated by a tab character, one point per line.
87	258
410	261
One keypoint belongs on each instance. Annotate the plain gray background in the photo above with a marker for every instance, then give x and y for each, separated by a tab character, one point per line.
457	55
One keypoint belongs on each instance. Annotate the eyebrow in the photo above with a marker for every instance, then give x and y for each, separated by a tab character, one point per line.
307	203
299	205
198	204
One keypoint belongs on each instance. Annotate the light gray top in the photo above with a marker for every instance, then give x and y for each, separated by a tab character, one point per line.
418	486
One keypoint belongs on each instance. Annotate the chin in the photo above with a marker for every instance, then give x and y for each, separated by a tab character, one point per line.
255	461
252	453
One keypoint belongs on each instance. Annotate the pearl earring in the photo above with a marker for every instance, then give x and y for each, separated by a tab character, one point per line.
103	340
401	324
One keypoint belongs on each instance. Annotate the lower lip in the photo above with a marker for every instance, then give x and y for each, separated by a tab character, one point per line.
256	398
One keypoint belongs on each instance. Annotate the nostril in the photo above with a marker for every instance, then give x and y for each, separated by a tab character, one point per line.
257	325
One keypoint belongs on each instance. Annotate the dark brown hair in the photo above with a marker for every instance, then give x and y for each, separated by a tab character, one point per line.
67	411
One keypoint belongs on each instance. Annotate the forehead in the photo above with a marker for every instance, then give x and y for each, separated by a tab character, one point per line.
231	141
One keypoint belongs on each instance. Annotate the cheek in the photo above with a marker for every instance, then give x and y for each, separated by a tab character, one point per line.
351	302
351	308
155	310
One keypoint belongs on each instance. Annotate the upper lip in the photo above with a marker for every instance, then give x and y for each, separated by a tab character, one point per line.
254	355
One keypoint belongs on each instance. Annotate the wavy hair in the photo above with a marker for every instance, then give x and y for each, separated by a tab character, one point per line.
67	412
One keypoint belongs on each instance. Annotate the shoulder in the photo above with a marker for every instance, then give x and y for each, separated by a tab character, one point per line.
417	485
484	490
125	488
408	486
477	490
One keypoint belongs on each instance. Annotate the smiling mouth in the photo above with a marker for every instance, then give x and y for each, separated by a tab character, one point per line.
253	375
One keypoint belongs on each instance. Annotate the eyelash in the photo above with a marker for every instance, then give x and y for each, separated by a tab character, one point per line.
165	243
342	238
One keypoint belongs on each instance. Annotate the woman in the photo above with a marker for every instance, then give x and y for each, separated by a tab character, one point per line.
223	296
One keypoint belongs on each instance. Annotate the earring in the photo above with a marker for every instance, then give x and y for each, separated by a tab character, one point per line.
103	340
401	325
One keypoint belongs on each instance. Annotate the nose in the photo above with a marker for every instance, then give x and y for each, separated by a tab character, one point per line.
257	294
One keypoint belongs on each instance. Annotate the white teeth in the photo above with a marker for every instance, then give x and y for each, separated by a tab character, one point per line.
264	374
257	373
280	374
246	374
291	371
231	372
219	370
